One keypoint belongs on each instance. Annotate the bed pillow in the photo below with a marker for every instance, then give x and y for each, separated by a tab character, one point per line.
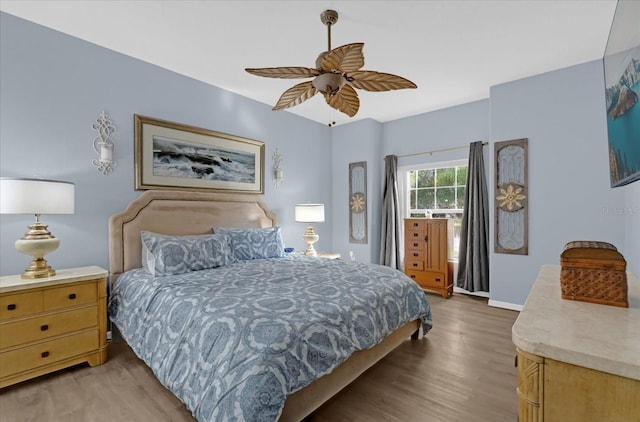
167	255
254	243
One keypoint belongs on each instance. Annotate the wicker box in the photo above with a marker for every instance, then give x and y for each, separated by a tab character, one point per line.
593	272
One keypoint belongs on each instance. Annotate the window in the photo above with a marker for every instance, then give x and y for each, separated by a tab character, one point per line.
438	190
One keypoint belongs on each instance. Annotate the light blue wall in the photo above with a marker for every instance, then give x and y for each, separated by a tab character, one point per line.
53	87
562	114
355	142
632	226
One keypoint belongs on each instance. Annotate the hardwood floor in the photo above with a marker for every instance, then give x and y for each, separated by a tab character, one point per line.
463	370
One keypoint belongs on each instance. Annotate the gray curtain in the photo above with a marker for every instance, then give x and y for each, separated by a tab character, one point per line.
473	261
390	222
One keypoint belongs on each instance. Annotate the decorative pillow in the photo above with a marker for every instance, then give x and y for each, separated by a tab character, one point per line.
166	255
254	243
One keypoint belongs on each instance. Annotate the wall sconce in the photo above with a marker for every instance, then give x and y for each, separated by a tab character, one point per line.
277	171
103	145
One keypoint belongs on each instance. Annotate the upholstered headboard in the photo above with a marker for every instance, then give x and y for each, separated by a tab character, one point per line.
178	213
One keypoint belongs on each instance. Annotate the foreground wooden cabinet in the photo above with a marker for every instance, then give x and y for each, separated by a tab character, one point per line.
426	254
550	390
52	323
577	361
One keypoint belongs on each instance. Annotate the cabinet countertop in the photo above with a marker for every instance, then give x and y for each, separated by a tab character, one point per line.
11	283
601	337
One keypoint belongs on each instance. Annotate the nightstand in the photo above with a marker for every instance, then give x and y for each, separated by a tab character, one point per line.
52	323
329	255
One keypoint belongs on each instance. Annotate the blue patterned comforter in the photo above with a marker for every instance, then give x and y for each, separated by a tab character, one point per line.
233	342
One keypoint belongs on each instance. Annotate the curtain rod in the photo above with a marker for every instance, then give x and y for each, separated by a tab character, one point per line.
438	150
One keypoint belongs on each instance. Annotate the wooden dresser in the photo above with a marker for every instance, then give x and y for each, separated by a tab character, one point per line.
51	323
577	361
426	254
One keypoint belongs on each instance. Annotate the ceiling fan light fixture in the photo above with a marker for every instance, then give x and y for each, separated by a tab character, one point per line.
329	83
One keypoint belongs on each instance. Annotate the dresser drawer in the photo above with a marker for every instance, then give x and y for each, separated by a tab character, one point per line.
410	264
41	328
47	353
414	235
415	225
415	255
427	278
18	304
414	240
70	295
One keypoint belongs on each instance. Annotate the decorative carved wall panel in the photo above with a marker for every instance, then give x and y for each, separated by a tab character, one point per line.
511	197
358	202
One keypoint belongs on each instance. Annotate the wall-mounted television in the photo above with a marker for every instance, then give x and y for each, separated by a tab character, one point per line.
622	92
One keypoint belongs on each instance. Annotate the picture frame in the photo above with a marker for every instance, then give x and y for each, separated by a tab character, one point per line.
175	156
621	65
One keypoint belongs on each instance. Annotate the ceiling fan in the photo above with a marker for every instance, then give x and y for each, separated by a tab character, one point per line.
335	76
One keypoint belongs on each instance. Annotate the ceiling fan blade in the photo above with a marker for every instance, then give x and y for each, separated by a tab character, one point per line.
284	72
295	95
378	81
347	58
346	100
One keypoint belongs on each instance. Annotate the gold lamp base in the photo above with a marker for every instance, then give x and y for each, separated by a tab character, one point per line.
38	269
310	237
37	242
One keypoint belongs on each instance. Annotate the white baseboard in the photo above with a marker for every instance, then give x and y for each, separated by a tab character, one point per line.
505	305
457	289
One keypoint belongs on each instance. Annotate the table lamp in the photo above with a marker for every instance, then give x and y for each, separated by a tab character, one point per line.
36	196
310	213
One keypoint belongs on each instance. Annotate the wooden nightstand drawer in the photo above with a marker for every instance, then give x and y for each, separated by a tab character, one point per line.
40	328
71	295
52	323
19	304
47	353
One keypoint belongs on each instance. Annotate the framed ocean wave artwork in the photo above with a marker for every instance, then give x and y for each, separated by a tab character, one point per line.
622	94
176	156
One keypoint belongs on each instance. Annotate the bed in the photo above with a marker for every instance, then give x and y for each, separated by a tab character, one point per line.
165	319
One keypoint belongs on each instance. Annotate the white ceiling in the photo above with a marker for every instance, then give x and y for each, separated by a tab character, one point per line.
453	50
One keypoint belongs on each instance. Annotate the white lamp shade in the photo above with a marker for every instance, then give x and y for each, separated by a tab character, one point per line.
36	196
309	213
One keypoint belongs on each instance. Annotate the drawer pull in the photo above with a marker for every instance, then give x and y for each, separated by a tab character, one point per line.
437	279
415	264
11	307
44	354
415	245
415	254
72	296
413	276
415	235
415	224
44	327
